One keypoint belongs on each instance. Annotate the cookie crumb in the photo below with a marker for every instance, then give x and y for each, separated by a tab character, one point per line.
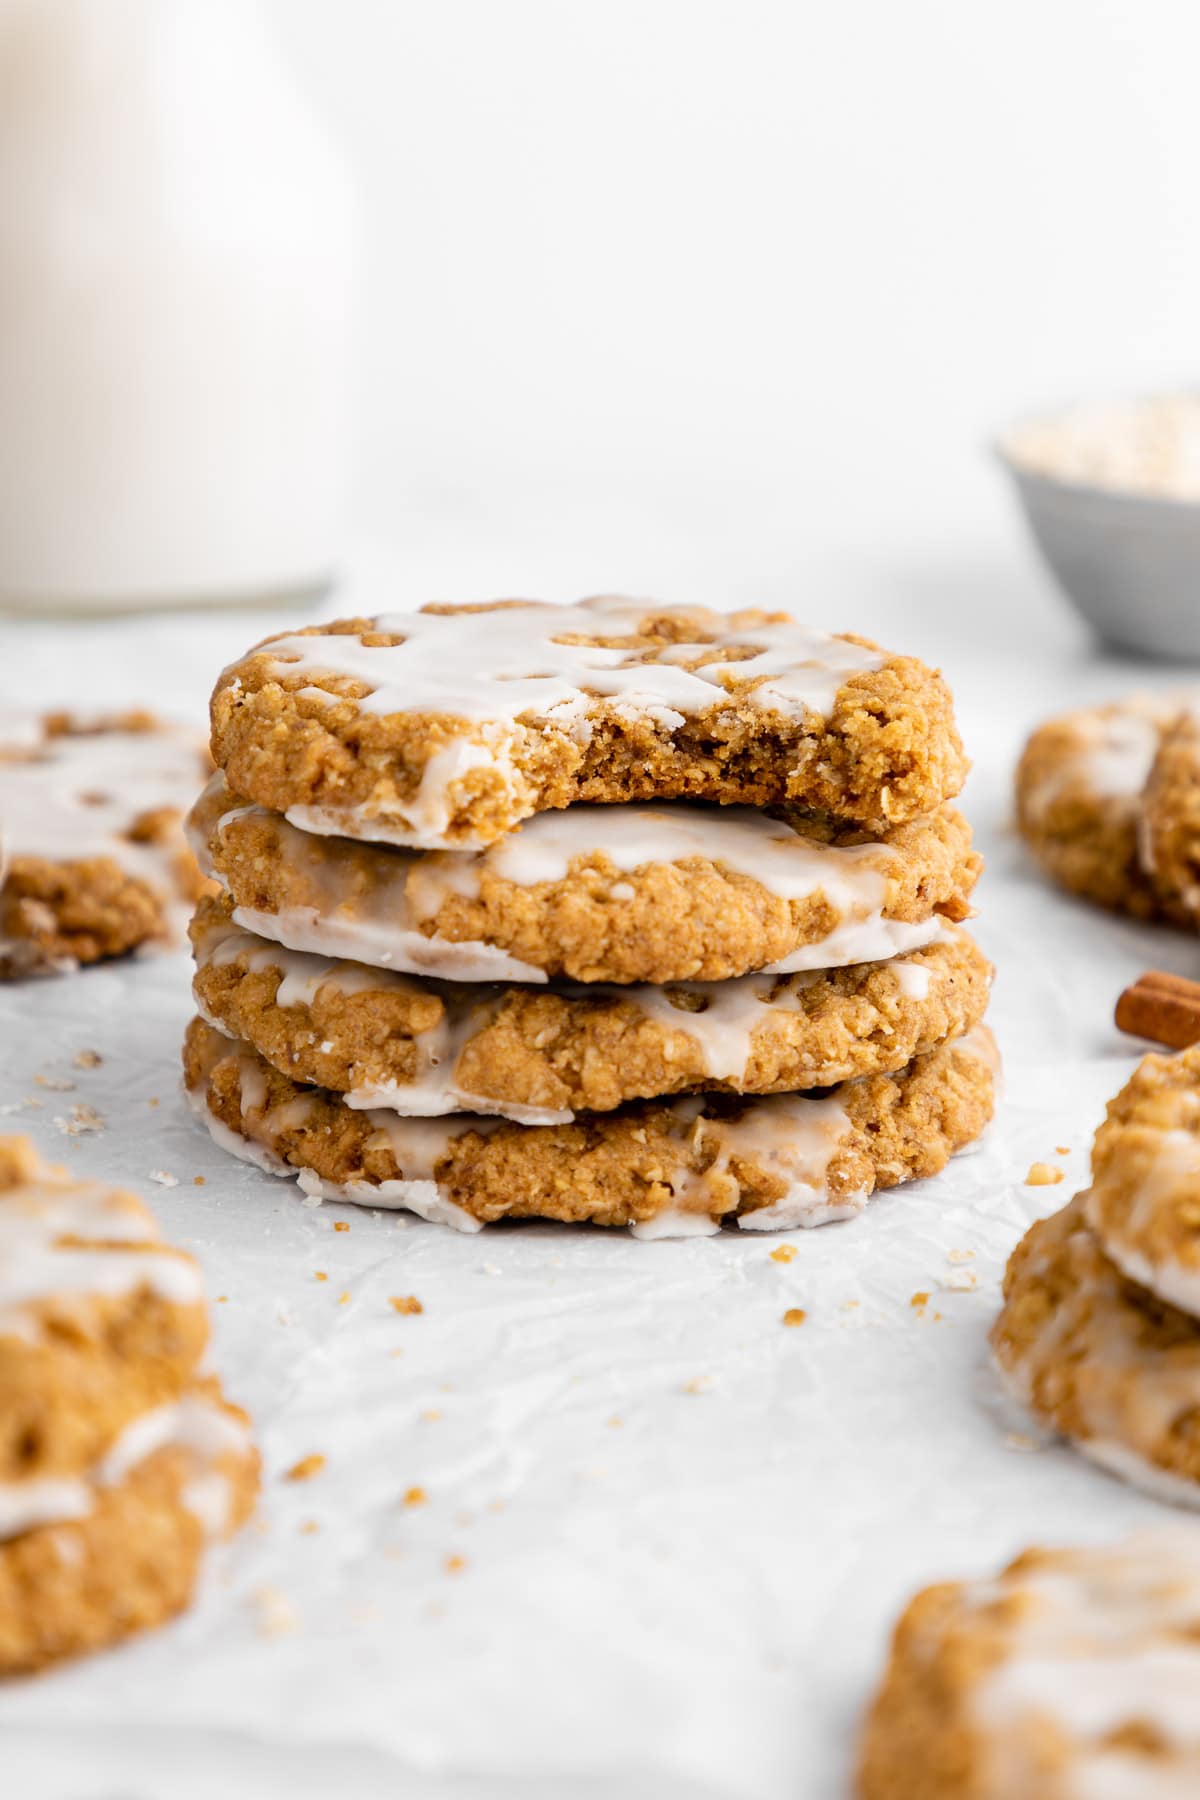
83	1118
1062	1149
57	1084
616	1421
340	1225
276	1614
960	1256
455	1565
920	1300
164	1178
961	1281
699	1384
795	1315
199	1181
343	1298
431	1413
784	1253
320	1275
306	1468
1043	1175
87	1059
415	1496
309	1527
405	1303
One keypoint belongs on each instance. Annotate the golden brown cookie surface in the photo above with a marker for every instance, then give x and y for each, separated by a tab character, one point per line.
119	1458
1079	799
681	1166
449	726
1169	835
538	1054
1144	1203
597	893
93	859
1072	1672
1100	1359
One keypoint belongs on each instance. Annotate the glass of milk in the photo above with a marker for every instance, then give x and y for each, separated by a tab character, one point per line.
177	251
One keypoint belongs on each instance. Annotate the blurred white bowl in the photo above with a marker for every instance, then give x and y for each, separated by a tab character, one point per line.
1127	559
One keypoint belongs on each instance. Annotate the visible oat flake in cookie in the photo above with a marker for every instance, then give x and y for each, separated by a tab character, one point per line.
93	860
597	893
119	1457
1073	1673
773	1163
449	726
425	1048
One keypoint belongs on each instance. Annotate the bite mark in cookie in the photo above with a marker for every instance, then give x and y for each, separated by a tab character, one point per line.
449	726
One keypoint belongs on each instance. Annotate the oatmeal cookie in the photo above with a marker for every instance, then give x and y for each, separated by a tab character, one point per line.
1100	1359
1144	1203
675	1167
447	727
118	1548
597	893
119	1458
93	859
1079	797
540	1055
1169	837
1072	1672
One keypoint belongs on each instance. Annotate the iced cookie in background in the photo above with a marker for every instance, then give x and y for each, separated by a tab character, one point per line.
1070	1675
1099	1334
679	1167
120	1459
93	858
447	727
611	913
1106	801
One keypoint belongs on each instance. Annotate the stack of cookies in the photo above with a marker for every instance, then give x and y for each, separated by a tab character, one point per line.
1100	1330
119	1457
640	915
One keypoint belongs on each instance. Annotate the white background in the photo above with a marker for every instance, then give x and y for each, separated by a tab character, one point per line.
707	296
693	300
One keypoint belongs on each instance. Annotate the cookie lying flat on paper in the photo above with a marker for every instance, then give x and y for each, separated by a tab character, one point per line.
1072	1673
447	727
539	1055
678	892
1079	791
93	858
666	1167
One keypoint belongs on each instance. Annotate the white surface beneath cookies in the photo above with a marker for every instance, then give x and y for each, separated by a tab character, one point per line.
663	1534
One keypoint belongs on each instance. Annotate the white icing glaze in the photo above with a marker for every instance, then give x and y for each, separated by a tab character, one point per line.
1112	756
1100	1640
379	924
1161	1484
789	1135
495	666
77	796
192	1423
35	1264
1174	1171
720	1017
675	1222
490	669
